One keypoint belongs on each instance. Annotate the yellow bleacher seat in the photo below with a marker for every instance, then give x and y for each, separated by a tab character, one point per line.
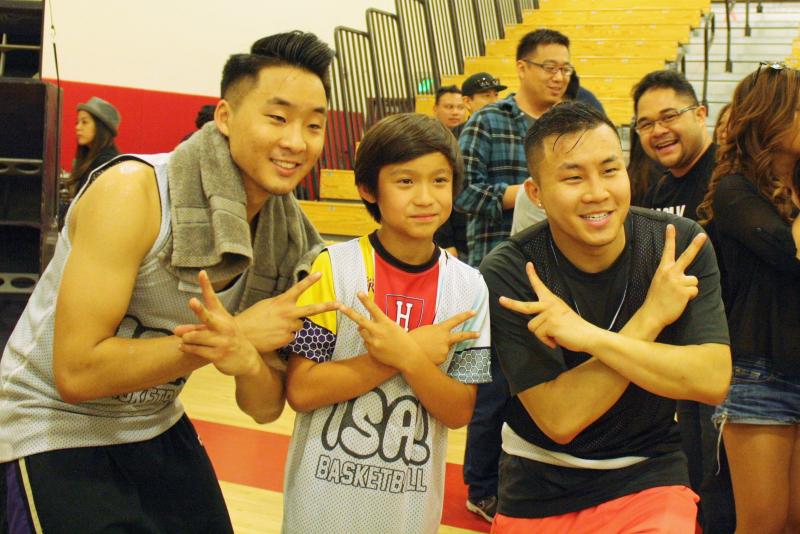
593	30
506	67
336	184
614	16
665	48
550	5
338	218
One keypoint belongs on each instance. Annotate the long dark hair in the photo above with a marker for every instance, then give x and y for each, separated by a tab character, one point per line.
762	113
85	155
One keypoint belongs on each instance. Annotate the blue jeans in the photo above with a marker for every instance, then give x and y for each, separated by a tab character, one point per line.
760	396
482	452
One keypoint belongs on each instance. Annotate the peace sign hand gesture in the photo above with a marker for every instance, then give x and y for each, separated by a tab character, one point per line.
273	323
218	338
555	323
671	289
386	341
436	339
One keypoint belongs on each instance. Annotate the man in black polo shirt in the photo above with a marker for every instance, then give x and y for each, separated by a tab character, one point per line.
598	341
672	130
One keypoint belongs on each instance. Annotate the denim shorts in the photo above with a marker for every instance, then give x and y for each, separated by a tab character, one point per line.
760	396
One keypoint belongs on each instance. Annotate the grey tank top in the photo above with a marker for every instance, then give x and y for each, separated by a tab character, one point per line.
33	418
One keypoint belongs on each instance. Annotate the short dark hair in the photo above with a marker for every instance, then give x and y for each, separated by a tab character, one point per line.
542	36
440	92
565	118
293	49
663	79
400	138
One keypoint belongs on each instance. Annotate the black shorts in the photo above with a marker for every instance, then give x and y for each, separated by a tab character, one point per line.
164	485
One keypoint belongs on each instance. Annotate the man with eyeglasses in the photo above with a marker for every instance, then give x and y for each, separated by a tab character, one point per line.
493	146
671	125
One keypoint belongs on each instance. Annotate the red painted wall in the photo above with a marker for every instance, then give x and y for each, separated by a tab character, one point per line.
152	121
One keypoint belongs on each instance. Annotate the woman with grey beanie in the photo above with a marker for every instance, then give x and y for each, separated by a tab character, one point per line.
96	127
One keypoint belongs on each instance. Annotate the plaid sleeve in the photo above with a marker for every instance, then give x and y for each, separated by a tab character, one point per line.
480	196
317	339
470	363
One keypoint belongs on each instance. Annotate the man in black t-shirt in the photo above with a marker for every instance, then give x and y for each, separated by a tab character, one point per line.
619	329
671	124
672	129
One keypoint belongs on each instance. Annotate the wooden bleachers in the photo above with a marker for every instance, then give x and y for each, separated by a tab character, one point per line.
636	15
617	30
627	47
506	67
550	5
340	213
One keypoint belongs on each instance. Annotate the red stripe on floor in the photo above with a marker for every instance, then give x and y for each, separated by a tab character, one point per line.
256	458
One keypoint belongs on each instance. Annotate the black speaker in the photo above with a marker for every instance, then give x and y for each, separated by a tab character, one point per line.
28	174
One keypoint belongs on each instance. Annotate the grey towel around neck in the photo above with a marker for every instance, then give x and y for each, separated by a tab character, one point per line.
210	229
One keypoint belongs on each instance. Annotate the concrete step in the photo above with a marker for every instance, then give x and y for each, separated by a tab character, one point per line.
694	68
754	49
785	34
768	7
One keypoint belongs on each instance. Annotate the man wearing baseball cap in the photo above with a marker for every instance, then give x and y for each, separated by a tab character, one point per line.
480	89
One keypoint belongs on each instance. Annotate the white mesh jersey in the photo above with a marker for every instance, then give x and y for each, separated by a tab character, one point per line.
377	462
33	418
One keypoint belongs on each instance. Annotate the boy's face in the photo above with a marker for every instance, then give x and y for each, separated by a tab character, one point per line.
276	129
584	188
415	198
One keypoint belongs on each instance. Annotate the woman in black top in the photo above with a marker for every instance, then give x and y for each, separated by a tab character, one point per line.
756	231
96	127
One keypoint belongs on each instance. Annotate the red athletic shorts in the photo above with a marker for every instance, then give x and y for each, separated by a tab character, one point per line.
661	510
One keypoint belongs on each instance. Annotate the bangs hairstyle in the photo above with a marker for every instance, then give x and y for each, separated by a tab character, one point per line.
400	138
536	38
663	79
762	113
566	118
292	49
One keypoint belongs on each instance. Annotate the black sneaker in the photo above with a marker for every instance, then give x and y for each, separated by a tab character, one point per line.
485	508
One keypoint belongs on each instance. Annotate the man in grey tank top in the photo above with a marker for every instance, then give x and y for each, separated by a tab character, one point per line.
92	434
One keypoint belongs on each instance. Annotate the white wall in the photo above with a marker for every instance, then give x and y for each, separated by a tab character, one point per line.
178	45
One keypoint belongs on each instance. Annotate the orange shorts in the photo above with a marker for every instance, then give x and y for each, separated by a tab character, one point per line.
659	510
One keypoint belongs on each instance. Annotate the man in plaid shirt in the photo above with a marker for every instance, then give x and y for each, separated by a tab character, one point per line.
493	146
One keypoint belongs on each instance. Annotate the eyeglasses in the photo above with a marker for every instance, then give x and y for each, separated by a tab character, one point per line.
553	68
774	66
645	126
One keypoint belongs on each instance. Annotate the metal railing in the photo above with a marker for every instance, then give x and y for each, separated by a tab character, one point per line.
729	5
709	30
423	69
394	92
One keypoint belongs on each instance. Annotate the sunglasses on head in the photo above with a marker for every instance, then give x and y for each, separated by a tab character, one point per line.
770	66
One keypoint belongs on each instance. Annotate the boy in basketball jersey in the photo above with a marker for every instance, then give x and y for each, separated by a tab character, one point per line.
375	396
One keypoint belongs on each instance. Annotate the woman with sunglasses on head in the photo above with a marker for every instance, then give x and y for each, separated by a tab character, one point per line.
755	229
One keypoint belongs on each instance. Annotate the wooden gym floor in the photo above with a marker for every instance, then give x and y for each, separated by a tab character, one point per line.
249	459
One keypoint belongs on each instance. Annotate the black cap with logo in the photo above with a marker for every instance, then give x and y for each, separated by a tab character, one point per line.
482	81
